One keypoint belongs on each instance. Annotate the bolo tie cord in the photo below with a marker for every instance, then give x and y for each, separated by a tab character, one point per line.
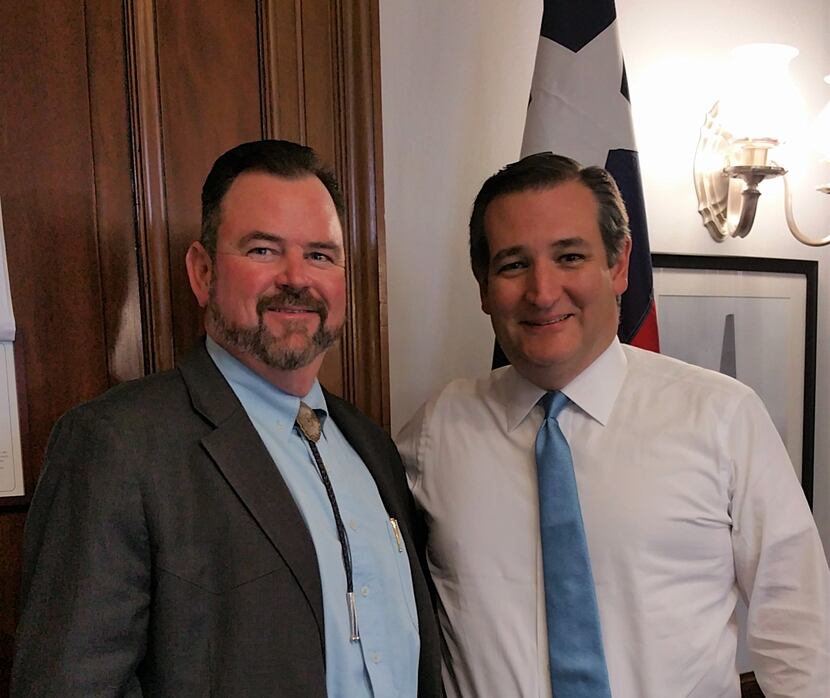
309	425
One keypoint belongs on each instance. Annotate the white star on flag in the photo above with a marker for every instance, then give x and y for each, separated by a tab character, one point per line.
577	107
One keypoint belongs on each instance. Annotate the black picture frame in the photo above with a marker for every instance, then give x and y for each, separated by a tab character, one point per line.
750	279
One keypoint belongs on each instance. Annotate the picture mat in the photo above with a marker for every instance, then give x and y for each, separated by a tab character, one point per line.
769	331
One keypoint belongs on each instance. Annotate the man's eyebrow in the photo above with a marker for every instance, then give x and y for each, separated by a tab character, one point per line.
507	252
563	243
261	236
569	242
327	245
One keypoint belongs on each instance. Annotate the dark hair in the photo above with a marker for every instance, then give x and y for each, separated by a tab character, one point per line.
279	158
543	171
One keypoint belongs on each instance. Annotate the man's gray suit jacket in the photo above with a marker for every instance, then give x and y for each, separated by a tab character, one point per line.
165	556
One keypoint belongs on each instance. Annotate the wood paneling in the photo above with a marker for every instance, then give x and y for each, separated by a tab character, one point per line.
47	189
148	178
48	192
209	76
283	103
360	168
111	114
11	534
114	202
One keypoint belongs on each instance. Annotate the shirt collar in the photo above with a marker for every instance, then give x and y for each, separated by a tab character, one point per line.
254	391
594	390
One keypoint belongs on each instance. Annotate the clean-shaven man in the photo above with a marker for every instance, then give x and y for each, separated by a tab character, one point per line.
596	510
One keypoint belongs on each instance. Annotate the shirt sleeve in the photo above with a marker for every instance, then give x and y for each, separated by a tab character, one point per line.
780	565
409	442
86	577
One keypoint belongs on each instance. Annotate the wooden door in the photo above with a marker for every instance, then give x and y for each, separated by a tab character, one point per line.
111	114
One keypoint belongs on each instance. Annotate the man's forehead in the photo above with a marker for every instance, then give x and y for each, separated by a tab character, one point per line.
565	243
571	191
564	212
257	196
254	183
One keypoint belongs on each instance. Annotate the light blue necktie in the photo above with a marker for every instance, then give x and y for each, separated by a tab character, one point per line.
577	659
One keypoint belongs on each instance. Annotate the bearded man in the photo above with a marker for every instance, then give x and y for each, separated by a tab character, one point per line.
229	527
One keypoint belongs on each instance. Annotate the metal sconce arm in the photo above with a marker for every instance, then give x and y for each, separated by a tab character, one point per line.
718	187
791	224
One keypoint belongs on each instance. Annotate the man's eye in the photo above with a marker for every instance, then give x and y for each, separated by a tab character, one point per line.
508	267
260	253
320	257
571	258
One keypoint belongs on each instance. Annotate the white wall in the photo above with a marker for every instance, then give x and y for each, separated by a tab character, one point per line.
676	55
456	78
455	83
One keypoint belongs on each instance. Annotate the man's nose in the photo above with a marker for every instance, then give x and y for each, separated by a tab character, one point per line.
293	271
544	285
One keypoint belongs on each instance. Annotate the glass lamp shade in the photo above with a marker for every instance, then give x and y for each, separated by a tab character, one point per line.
761	103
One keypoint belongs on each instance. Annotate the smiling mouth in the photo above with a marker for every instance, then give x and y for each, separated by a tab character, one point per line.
292	302
293	311
545	323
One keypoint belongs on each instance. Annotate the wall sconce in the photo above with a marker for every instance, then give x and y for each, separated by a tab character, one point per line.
761	111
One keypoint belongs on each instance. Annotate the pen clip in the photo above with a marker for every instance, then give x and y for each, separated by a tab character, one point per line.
397	531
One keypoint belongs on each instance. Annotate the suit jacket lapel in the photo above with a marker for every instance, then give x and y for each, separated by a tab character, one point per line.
349	421
238	451
372	448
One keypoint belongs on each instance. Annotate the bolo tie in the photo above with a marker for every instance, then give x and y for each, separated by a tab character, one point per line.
309	425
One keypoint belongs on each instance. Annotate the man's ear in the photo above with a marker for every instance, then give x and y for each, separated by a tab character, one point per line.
199	271
619	270
482	294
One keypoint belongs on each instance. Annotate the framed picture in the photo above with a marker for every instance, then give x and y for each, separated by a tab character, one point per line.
755	320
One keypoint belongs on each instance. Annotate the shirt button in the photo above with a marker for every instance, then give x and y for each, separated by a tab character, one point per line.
376	657
364	591
353	525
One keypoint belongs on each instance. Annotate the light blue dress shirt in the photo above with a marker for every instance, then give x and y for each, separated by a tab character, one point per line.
384	662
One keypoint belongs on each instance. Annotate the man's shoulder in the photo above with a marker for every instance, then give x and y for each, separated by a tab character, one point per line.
476	389
465	401
468	393
353	422
158	392
161	406
649	371
161	395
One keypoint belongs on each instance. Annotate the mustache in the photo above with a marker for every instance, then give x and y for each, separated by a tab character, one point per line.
291	298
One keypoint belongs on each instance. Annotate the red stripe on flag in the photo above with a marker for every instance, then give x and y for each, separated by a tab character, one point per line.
647	336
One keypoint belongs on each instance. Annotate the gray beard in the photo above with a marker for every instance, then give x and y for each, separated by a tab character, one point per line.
260	343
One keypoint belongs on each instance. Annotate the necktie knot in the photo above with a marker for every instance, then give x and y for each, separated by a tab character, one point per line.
309	423
553	403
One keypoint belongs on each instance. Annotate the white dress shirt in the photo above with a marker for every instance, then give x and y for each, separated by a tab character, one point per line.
688	498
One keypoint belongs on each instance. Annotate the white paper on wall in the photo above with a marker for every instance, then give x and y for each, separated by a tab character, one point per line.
11	461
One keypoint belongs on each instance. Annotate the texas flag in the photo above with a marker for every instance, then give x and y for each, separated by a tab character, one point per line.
579	107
